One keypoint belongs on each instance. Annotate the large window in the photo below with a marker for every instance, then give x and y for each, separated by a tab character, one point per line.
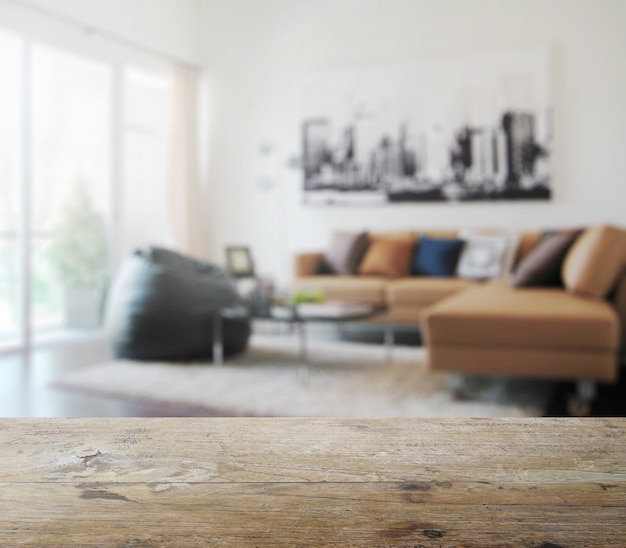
84	174
71	184
11	219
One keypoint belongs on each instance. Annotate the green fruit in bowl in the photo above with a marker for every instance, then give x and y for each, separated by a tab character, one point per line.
307	296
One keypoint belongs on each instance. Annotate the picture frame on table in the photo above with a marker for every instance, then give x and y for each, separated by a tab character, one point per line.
239	261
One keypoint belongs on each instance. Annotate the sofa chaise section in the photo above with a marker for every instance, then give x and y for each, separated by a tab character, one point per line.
541	333
575	333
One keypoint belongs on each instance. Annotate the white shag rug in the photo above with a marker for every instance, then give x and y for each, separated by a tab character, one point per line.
343	379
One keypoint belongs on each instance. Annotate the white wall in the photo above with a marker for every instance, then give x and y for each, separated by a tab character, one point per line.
256	52
168	26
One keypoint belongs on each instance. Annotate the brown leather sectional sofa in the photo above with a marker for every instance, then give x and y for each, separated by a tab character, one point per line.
574	332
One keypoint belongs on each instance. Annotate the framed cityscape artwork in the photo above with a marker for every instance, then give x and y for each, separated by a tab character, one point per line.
477	127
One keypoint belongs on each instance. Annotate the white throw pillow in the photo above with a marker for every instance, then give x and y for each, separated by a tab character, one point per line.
487	255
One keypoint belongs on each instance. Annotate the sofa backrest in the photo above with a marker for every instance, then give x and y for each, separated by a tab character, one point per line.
399	235
441	233
527	242
307	264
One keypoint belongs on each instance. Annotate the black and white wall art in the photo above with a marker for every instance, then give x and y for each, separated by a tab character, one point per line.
477	127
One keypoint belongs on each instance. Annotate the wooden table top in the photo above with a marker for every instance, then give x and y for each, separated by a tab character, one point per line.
313	482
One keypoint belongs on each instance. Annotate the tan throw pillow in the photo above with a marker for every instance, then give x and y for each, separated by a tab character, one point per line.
387	257
594	262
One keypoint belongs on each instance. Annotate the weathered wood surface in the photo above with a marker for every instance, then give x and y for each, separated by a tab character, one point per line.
313	482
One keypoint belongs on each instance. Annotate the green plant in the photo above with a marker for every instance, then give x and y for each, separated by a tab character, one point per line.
306	296
78	249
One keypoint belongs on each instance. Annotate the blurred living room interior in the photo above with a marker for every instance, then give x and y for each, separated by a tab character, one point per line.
213	128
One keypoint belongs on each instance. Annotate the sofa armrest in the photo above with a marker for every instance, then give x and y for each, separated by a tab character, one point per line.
619	301
307	264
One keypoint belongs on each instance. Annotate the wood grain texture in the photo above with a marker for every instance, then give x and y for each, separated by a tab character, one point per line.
313	482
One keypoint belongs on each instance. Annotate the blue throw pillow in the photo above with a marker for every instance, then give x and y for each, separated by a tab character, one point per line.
437	257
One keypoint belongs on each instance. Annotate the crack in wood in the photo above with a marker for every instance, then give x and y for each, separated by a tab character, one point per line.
102	494
87	458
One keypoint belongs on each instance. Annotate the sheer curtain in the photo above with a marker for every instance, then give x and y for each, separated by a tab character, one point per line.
184	194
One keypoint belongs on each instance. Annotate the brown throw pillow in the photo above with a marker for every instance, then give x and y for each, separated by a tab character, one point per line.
542	266
387	257
345	252
594	262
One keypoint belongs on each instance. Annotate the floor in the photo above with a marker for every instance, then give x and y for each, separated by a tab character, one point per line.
25	379
25	389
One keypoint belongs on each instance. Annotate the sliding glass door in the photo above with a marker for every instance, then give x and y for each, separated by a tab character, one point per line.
11	191
84	179
71	186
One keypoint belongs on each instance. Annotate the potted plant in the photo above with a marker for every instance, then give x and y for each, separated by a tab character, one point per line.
78	255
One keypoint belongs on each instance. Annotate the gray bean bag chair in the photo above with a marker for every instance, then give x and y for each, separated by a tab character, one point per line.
161	306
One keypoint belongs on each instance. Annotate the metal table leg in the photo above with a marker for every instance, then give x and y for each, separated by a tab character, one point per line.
389	337
304	361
